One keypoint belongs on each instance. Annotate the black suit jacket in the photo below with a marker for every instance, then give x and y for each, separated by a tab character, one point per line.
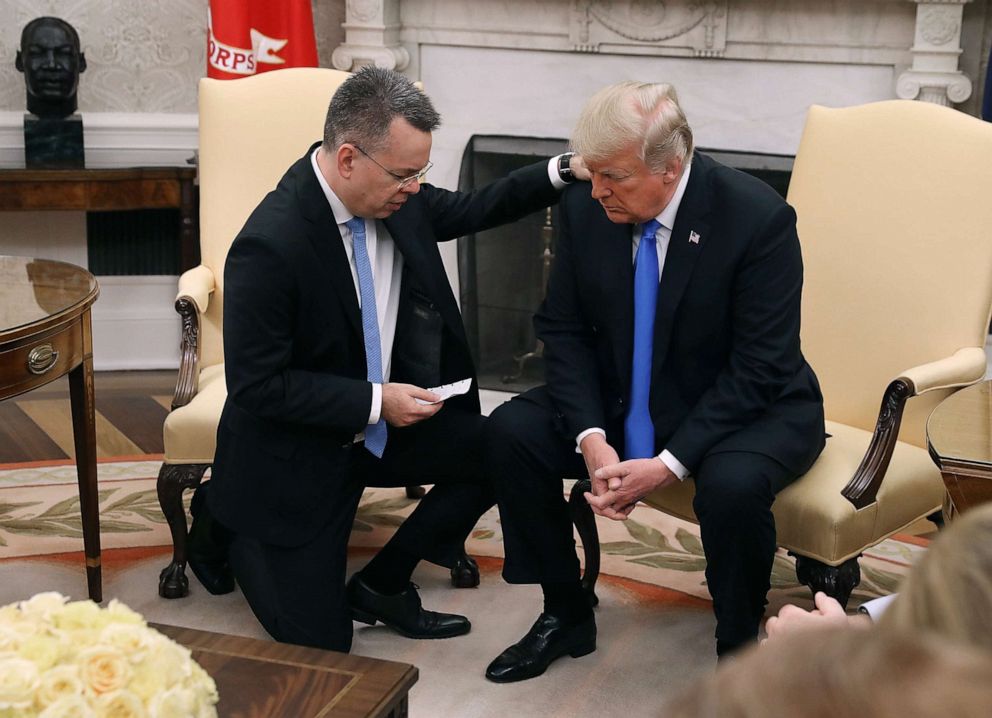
293	346
728	373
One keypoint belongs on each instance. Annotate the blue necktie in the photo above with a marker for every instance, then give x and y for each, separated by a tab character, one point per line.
375	434
638	427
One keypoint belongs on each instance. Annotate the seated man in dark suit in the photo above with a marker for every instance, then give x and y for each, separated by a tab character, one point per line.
649	382
337	316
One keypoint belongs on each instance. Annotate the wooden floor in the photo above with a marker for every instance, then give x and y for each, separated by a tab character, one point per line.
131	407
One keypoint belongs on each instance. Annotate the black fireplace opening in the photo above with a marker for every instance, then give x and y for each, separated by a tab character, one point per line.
503	271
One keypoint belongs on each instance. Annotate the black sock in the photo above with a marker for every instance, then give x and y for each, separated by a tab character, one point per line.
390	570
566	601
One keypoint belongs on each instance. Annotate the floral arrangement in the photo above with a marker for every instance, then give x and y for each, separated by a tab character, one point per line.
75	660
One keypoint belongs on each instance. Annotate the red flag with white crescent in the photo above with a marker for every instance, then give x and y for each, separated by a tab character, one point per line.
246	37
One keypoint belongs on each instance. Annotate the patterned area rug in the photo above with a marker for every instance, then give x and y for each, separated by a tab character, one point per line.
39	514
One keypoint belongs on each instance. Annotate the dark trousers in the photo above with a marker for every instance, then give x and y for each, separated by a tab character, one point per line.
297	592
527	456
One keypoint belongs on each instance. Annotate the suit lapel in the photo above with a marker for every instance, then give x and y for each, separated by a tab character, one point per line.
410	240
618	277
327	245
688	237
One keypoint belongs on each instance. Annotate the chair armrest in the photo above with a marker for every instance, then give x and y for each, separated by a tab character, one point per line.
965	366
198	284
195	288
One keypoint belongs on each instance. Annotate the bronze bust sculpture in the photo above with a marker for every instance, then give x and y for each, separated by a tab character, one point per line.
51	62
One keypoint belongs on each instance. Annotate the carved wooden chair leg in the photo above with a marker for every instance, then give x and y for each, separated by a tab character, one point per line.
173	480
835	581
415	492
585	523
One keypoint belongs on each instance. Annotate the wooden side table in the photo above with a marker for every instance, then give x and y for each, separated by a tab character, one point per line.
959	437
97	190
45	333
258	679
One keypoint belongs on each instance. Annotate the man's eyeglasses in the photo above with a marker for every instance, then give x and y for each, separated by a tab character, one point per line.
404	181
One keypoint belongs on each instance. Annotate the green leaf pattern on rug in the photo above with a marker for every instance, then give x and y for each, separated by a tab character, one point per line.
381	512
652	548
128	513
6	511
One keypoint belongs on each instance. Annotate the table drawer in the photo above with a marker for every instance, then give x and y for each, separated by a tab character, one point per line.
37	360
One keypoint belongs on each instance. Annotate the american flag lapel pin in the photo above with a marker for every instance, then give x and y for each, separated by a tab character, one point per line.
693	237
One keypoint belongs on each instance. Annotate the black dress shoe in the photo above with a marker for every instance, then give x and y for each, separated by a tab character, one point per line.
402	612
206	548
465	572
546	640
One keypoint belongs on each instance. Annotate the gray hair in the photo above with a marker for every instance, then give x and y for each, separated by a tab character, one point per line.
642	113
367	102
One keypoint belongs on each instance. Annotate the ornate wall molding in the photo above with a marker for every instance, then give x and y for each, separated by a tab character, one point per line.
697	28
372	36
934	75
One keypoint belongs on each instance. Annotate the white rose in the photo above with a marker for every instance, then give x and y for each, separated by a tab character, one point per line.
10	640
175	660
43	605
57	683
147	681
43	651
203	684
120	704
174	703
18	681
81	617
103	669
68	707
119	613
132	639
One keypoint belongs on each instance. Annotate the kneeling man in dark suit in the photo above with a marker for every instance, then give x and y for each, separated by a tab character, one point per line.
337	316
671	341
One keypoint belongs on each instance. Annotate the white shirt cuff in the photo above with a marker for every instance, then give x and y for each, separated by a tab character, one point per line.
376	404
673	464
876	607
556	181
584	434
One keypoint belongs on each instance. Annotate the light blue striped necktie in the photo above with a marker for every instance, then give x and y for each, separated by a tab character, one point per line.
375	434
638	428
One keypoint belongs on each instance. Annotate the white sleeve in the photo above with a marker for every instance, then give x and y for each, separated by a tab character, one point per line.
876	607
675	466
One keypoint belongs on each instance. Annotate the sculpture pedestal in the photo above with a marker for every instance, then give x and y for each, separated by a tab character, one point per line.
53	142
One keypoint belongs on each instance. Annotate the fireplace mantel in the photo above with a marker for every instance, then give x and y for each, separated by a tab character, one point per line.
919	39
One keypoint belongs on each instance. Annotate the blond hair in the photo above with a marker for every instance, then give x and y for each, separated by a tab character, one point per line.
949	590
845	673
644	114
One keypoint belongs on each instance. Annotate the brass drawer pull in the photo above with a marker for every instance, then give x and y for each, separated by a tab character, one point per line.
42	358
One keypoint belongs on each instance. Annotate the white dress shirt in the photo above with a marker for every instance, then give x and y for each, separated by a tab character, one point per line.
663	236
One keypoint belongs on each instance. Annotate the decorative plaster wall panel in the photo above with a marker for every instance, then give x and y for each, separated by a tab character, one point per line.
672	27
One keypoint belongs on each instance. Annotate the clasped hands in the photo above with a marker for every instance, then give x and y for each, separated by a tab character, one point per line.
617	485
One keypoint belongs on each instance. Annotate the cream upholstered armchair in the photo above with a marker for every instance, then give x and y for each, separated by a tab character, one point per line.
895	224
251	130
